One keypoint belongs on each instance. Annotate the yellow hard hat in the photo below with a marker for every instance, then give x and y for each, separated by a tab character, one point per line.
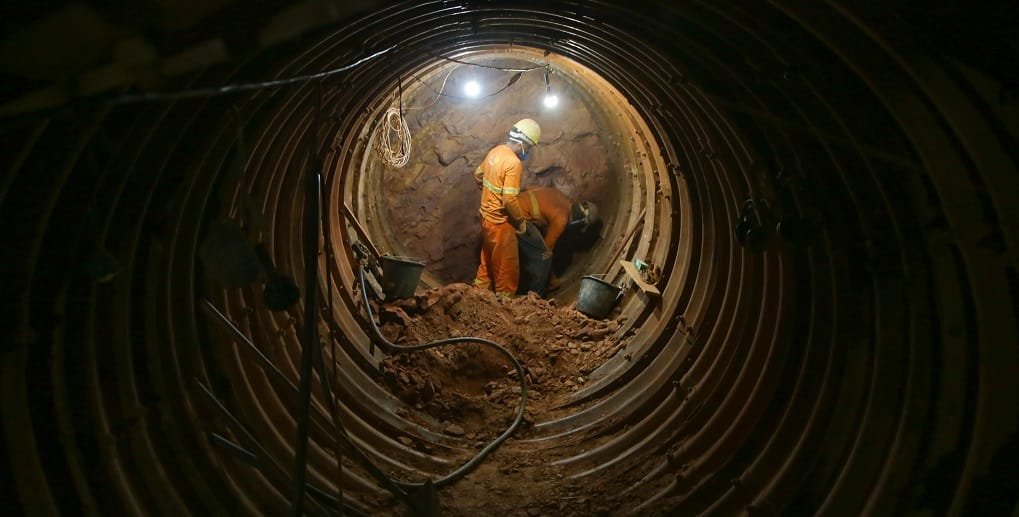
591	215
526	131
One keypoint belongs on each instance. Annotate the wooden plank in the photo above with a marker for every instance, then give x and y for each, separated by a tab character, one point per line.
634	275
361	234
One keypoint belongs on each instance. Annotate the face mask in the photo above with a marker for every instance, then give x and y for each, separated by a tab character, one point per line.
524	154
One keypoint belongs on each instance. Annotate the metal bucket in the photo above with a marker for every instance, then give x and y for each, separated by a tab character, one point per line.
597	297
400	276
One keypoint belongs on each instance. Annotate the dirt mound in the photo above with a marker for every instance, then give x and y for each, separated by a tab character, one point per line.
471	388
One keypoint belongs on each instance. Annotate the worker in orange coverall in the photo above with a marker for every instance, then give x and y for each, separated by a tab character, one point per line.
501	216
554	213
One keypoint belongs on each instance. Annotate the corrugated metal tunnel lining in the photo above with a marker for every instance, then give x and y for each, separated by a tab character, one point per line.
871	370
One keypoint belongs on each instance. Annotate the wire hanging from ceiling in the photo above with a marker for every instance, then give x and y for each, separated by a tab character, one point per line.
392	135
494	67
438	93
392	138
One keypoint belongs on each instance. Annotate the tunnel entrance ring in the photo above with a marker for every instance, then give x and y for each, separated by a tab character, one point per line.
428	209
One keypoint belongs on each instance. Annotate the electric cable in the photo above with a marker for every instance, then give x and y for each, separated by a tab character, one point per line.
438	93
390	347
398	488
513	80
392	138
494	67
242	87
191	93
271	367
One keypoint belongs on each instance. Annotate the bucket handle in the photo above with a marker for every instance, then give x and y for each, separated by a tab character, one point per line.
623	288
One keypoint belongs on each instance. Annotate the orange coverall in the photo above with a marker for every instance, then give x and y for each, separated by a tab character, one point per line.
549	209
500	210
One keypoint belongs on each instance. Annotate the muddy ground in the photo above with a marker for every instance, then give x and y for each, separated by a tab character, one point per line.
470	391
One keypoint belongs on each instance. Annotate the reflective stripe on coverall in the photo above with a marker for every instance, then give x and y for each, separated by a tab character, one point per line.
548	208
499	176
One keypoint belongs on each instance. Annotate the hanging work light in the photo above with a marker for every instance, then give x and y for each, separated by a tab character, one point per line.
472	88
551	100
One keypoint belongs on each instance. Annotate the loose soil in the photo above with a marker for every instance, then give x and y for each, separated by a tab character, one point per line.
471	391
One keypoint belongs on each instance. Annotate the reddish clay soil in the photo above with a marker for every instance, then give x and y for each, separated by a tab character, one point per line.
471	391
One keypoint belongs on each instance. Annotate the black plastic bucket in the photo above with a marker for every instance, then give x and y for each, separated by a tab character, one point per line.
597	297
400	276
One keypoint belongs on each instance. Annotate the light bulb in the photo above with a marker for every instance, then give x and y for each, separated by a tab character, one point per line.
472	88
551	101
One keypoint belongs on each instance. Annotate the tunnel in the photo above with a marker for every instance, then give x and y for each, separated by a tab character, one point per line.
827	191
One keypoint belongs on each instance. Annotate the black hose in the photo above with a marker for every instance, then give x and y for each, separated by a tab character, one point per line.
390	347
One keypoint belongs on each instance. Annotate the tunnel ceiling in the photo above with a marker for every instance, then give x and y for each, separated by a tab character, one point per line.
830	192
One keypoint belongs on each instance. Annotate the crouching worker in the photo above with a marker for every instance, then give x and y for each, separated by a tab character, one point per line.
550	215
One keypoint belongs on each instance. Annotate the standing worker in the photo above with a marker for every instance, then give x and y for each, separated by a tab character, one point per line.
554	213
501	216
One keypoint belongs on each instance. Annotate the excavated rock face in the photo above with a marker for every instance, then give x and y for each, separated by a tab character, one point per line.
432	202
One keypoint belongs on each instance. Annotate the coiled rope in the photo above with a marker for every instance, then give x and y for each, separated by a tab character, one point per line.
392	138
